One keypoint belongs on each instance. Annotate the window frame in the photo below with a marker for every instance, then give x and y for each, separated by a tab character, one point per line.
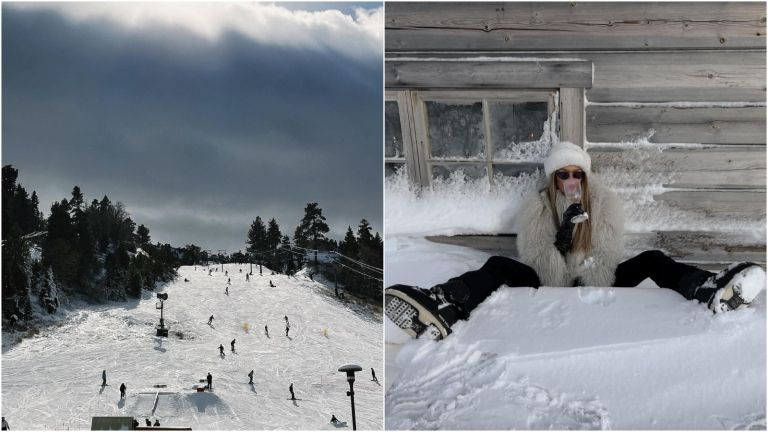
559	82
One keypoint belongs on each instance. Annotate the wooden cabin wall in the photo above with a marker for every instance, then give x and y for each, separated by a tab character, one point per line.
693	72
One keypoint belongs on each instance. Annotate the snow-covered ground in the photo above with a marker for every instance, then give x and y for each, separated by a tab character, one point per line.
572	358
53	381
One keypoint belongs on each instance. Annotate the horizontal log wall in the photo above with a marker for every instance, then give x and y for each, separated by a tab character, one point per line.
666	75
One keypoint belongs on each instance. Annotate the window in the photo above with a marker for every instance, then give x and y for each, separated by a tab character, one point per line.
480	133
486	115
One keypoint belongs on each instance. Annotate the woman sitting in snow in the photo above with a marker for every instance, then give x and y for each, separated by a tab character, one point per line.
570	234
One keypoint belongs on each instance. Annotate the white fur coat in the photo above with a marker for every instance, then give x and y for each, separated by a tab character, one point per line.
536	238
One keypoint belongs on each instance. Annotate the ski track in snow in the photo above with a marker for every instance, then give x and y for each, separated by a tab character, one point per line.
53	381
573	358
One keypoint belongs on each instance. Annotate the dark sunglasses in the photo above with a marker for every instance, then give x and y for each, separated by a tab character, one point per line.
565	175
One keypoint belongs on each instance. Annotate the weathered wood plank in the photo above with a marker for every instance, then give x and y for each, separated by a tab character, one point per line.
650	76
482	74
719	125
678	76
717	203
707	168
707	249
572	124
482	26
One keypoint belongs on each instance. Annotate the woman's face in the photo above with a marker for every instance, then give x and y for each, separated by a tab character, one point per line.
572	173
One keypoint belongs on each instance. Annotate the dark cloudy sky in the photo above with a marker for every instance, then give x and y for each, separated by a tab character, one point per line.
198	117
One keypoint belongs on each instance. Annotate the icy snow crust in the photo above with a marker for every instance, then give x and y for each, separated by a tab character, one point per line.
572	358
53	381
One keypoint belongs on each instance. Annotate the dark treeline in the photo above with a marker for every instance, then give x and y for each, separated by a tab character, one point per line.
93	249
266	244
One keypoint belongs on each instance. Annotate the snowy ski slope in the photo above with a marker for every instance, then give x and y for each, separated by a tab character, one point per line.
572	358
53	381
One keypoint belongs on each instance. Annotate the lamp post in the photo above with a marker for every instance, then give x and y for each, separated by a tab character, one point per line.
350	369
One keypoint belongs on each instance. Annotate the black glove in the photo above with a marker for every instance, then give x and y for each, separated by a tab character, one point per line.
571	212
564	236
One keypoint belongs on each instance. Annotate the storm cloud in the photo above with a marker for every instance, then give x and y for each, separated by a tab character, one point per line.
201	124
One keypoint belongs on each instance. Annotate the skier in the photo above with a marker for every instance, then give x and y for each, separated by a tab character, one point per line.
287	327
290	389
247	277
266	330
210	320
373	373
233	345
241	270
226	290
186	280
334	420
250	377
5	425
229	281
286	320
210	378
226	273
103	377
271	284
157	422
122	390
147	422
568	242
221	350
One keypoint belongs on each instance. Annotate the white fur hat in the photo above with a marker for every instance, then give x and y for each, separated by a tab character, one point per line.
566	153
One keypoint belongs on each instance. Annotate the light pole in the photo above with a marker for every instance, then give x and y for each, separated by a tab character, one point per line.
350	369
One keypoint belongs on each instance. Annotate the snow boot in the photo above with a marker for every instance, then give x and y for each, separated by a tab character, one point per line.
734	287
419	310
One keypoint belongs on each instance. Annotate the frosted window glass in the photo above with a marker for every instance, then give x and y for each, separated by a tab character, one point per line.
393	144
516	130
456	130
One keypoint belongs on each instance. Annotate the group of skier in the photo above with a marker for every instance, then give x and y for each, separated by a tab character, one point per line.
209	377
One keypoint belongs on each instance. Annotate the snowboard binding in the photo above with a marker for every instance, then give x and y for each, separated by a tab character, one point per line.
735	287
418	311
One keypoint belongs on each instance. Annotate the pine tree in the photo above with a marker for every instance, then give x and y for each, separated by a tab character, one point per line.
273	241
257	238
76	203
142	236
15	286
312	228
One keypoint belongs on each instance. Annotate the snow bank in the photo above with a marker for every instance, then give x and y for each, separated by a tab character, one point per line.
460	205
573	358
456	205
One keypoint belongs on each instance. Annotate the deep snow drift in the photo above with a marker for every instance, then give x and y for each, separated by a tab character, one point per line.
572	358
53	381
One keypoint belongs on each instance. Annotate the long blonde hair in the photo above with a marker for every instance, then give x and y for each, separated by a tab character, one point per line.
582	237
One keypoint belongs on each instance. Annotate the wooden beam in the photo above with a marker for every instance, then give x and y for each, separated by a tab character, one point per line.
660	76
725	204
705	125
480	73
722	167
531	26
572	115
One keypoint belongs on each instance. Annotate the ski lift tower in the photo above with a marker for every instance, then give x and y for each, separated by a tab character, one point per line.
162	329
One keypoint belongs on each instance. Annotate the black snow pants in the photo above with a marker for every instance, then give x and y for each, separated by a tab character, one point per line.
663	271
